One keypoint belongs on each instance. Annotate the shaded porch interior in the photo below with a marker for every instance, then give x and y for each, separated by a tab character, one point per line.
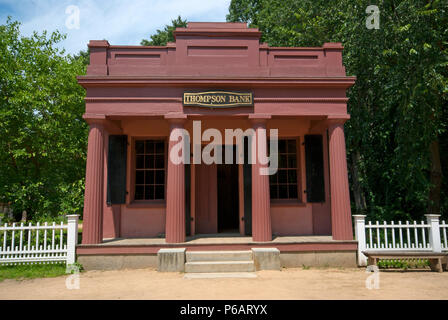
219	195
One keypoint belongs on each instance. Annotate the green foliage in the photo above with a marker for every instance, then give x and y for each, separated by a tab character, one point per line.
403	264
162	37
75	267
398	105
44	138
31	271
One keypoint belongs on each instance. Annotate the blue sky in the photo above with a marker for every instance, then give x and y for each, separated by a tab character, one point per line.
119	21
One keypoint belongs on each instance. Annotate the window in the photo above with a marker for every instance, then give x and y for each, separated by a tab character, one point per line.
150	170
283	184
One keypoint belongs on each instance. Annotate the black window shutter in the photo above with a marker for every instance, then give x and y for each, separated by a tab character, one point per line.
247	180
315	185
187	199
116	169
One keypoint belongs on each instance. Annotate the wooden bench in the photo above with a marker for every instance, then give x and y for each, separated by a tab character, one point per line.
437	261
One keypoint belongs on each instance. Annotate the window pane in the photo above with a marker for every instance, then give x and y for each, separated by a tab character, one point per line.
149	192
292	176
140	177
282	146
273	192
149	162
160	147
149	177
292	161
160	161
160	192
283	191
273	178
140	164
139	192
282	176
149	146
283	161
291	146
160	177
139	147
292	191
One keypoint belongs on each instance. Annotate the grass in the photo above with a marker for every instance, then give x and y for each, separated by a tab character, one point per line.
27	271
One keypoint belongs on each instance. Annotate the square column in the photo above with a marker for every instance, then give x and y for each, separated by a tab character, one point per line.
93	200
341	223
261	202
175	194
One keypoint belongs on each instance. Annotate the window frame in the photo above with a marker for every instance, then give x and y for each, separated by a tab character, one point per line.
299	199
146	202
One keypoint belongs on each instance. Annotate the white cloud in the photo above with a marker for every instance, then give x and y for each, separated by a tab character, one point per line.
119	21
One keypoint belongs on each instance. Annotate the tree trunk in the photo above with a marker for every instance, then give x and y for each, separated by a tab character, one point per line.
435	178
360	200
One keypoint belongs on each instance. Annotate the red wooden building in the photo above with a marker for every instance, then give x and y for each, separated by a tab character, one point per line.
135	100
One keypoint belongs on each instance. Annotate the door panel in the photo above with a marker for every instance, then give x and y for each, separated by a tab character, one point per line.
228	205
206	199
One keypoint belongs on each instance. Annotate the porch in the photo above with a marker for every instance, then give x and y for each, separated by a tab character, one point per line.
295	251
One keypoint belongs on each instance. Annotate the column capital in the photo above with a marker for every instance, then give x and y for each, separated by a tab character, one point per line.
176	119
259	118
337	120
101	122
94	119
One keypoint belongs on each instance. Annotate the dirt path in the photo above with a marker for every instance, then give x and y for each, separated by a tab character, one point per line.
287	284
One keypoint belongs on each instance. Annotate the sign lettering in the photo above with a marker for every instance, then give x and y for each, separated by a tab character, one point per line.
218	99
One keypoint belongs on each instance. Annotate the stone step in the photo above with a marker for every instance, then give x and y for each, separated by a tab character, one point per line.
193	256
219	266
220	275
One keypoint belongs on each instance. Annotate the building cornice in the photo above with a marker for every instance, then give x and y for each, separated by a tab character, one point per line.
176	99
171	81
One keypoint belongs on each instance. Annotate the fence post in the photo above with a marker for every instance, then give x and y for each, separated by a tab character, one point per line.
360	235
72	238
434	232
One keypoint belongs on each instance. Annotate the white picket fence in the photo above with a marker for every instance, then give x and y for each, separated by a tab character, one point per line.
408	236
24	244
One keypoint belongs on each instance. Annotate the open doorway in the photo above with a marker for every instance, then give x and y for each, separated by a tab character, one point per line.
228	196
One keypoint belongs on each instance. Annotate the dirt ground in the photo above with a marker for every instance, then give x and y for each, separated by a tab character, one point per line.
297	283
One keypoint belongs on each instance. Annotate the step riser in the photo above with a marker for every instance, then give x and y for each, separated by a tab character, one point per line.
221	275
219	267
218	256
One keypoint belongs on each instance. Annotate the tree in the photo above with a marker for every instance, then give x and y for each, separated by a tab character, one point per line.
43	136
162	37
398	104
